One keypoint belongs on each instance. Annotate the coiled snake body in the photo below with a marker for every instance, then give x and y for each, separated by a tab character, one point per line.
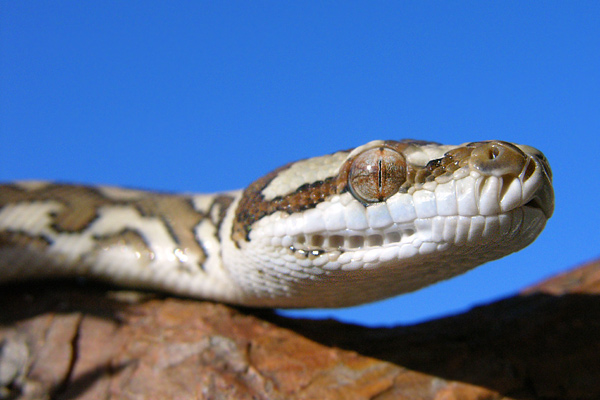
351	227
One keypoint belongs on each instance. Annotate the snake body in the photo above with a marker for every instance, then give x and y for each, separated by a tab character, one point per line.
337	230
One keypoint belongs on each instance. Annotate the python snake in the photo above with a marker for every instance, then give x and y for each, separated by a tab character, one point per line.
338	230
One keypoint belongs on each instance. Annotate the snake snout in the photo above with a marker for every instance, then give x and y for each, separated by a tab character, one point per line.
511	163
538	170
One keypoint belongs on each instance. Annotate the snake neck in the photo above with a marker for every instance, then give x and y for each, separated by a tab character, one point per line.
130	237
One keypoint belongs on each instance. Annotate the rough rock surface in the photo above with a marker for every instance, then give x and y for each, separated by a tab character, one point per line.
72	342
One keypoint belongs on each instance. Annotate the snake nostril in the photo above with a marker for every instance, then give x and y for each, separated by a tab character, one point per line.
497	158
493	152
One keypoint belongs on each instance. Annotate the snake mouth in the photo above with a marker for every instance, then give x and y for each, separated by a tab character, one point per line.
494	198
539	204
349	241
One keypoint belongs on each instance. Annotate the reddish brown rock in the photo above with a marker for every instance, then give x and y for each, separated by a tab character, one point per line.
71	342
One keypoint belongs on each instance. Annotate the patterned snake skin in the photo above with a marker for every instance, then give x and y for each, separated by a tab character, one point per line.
347	228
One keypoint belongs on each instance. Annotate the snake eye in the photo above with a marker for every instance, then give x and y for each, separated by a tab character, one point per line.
376	174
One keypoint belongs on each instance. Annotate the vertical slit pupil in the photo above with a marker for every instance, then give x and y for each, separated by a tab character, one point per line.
379	174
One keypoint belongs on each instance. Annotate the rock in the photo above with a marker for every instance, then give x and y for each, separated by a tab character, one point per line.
63	341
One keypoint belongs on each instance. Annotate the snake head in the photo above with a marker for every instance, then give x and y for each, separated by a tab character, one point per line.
386	218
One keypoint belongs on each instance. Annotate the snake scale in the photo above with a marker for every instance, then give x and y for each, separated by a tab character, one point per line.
356	226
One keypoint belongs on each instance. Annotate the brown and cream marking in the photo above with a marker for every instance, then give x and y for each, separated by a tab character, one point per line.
342	229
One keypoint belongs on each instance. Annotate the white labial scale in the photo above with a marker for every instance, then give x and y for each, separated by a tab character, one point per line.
430	186
345	258
346	198
425	204
466	197
450	226
294	224
388	253
463	228
402	208
512	196
372	255
305	262
355	216
352	265
428	248
492	228
332	266
505	221
278	223
443	246
437	229
476	229
489	203
533	183
378	216
445	197
286	241
334	217
313	221
359	254
320	261
269	227
408	250
423	229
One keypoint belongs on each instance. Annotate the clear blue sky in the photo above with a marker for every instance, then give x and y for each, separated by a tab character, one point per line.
208	96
